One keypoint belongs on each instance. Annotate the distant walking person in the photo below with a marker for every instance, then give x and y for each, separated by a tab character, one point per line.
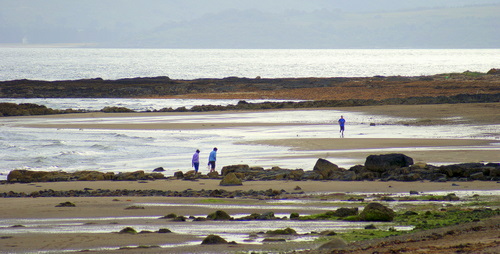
342	124
212	158
196	161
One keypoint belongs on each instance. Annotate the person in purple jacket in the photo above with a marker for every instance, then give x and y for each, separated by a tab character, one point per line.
196	161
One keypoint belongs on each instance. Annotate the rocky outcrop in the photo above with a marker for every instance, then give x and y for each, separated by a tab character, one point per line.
384	162
392	167
28	176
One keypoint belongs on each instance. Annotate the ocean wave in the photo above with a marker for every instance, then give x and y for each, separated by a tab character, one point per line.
100	147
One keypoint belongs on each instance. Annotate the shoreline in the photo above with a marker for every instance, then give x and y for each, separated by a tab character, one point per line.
111	213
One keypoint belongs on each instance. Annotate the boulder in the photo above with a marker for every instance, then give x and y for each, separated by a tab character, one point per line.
93	176
179	175
266	216
344	212
376	212
213	175
384	162
219	215
214	239
234	169
230	180
190	174
128	230
159	169
371	226
131	176
66	204
286	231
325	168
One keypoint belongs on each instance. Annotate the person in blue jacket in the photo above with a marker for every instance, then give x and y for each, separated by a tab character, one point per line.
342	124
212	158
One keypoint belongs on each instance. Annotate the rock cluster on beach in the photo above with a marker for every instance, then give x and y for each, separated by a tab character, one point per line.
388	167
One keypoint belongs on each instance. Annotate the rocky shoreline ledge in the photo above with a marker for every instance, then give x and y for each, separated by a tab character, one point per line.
164	86
27	109
387	167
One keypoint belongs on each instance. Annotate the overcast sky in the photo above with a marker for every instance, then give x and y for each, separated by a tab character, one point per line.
253	23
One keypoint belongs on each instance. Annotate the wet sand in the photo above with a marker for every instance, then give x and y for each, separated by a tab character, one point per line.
88	208
439	151
12	208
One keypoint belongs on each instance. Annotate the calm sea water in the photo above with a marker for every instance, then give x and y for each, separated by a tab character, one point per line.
78	63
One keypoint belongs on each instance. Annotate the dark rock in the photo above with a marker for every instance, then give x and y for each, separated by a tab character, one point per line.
234	169
266	216
179	175
286	231
160	169
214	239
371	226
344	212
328	233
376	212
384	162
179	219
410	213
387	199
169	216
66	204
348	176
325	168
219	215
128	230
213	175
477	176
164	230
294	216
134	207
271	240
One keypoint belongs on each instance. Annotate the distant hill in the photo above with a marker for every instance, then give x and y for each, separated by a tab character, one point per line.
253	24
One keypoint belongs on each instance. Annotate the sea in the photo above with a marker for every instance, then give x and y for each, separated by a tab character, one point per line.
85	63
118	150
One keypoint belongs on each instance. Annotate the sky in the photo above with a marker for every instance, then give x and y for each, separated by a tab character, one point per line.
253	23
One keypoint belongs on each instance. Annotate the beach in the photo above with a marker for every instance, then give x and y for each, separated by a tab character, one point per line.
92	225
